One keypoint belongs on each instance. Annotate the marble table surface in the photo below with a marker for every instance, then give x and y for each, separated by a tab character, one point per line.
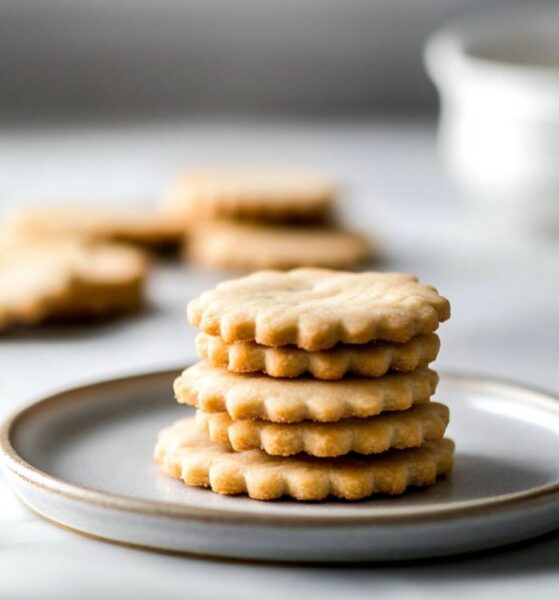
503	288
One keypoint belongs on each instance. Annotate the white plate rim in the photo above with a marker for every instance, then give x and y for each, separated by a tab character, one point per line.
22	469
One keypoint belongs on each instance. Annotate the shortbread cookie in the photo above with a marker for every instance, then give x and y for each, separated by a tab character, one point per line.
368	360
143	227
185	452
404	429
260	193
57	281
255	246
315	309
212	389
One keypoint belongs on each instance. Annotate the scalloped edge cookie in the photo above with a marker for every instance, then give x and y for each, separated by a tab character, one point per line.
315	309
96	223
250	246
256	396
44	281
399	430
243	192
185	452
366	360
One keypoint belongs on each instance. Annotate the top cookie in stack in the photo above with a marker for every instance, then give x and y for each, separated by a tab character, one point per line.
262	217
315	309
362	424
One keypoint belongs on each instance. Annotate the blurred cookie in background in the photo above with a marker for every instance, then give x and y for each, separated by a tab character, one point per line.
263	217
49	280
251	246
258	193
143	227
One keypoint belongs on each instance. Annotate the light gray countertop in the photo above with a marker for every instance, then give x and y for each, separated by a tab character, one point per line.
505	322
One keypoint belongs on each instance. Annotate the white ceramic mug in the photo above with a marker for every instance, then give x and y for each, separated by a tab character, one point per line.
498	79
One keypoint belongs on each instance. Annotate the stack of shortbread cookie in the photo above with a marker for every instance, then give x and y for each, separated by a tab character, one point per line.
262	218
313	383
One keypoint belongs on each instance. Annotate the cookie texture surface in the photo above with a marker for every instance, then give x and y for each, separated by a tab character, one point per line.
185	452
406	429
65	281
367	360
263	193
256	246
256	396
143	227
315	309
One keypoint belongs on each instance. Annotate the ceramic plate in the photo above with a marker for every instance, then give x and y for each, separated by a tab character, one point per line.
82	458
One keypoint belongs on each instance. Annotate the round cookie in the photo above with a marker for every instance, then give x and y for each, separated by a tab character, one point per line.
260	193
367	360
185	452
256	246
97	223
212	389
314	309
404	429
67	280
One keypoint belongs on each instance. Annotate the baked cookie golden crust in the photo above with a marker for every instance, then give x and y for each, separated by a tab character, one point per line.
97	223
66	281
212	389
249	247
185	452
367	360
261	193
314	309
399	430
